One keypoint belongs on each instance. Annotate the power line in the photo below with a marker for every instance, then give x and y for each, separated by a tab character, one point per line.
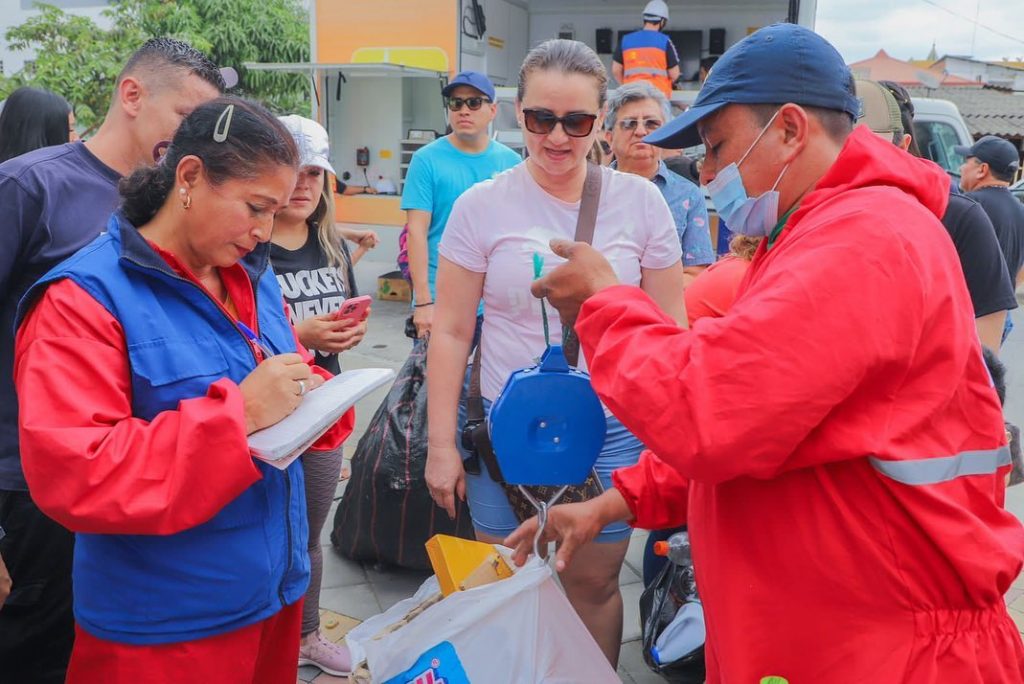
975	22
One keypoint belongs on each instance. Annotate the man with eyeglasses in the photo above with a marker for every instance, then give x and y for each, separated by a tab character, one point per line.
443	170
635	110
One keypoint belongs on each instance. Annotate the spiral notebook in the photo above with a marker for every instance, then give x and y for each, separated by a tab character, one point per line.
283	442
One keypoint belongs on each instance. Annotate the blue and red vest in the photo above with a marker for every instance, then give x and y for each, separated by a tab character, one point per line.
645	58
250	560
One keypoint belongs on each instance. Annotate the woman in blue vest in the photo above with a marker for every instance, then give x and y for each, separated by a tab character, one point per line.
137	389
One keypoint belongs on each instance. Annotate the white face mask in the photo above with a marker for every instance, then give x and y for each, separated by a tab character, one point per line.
753	216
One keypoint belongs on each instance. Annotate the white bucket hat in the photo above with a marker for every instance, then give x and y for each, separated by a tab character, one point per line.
311	139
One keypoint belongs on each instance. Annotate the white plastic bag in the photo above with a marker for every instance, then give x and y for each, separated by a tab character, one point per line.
519	630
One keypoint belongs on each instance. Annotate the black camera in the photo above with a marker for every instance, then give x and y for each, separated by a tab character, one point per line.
477	442
472	463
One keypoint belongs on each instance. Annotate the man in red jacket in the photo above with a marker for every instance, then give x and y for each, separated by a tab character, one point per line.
833	442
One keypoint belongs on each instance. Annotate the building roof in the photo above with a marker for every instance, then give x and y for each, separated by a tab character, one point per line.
987	111
882	67
1004	63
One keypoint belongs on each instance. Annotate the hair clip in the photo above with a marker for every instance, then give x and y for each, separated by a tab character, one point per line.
220	131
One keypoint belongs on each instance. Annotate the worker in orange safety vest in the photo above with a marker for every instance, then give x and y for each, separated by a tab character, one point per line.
648	54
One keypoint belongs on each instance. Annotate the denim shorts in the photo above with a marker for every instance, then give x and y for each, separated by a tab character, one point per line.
489	507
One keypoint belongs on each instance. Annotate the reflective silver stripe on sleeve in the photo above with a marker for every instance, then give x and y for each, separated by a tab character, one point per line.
926	471
639	71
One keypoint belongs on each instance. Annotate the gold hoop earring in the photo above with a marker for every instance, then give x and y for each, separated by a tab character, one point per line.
186	199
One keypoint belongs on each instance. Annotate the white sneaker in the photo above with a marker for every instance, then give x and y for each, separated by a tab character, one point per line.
334	659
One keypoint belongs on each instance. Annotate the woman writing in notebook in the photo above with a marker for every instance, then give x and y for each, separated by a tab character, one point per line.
486	252
138	388
314	270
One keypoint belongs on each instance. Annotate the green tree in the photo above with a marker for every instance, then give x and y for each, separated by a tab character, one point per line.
79	60
74	58
233	32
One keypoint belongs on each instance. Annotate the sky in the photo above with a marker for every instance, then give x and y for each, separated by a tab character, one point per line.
906	28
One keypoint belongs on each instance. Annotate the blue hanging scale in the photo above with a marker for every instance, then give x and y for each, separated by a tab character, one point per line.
547	426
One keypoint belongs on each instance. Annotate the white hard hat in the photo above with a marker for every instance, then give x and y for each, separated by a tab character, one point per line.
656	9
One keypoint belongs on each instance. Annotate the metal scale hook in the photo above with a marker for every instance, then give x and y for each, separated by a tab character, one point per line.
542	508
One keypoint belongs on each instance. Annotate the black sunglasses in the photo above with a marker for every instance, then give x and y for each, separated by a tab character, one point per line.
542	122
474	103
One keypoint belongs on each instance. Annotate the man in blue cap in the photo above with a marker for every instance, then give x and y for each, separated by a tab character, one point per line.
443	170
833	442
989	167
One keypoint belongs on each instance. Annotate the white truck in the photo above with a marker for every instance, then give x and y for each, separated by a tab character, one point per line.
939	127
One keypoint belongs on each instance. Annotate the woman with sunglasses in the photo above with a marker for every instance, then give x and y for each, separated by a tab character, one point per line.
139	379
487	252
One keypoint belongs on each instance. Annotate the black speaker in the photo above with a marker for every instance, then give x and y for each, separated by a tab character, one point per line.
716	41
603	40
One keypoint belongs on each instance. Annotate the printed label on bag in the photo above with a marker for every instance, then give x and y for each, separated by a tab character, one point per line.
439	665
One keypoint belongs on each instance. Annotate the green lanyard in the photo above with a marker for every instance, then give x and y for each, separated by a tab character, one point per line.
777	230
538	271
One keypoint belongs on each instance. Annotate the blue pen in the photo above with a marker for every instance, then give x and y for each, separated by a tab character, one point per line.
248	332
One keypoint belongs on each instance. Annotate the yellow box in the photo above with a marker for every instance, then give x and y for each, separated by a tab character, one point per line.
394	287
455	559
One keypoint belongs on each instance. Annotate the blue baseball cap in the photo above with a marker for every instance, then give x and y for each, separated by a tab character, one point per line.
473	79
999	154
778	64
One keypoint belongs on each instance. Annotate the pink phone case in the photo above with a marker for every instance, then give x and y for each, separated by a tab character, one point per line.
354	309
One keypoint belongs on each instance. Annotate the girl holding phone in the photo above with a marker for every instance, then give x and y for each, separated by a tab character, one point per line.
314	270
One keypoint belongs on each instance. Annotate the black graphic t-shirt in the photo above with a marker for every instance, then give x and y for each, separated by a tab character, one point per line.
311	287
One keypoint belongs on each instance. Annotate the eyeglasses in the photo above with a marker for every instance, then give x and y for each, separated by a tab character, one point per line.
542	122
474	103
631	124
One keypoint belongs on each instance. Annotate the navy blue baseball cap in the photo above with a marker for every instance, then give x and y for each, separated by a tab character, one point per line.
473	79
1000	155
778	64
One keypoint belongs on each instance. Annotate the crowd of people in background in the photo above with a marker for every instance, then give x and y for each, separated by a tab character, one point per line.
820	382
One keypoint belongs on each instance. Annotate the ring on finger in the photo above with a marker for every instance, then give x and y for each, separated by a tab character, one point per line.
302	387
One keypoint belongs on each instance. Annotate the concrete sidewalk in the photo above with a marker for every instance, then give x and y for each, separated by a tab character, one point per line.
353	592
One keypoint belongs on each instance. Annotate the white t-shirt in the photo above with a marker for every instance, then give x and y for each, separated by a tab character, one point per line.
496	227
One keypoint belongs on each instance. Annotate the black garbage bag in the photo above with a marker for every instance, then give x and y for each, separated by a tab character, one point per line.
386	514
659	603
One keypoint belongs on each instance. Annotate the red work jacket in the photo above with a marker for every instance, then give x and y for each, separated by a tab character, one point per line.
833	442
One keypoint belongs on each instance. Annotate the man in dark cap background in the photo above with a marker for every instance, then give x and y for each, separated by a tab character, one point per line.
985	176
833	442
889	112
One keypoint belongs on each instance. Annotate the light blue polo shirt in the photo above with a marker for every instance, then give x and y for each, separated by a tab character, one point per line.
438	174
690	212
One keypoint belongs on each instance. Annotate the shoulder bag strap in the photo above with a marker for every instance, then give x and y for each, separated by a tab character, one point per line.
585	223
